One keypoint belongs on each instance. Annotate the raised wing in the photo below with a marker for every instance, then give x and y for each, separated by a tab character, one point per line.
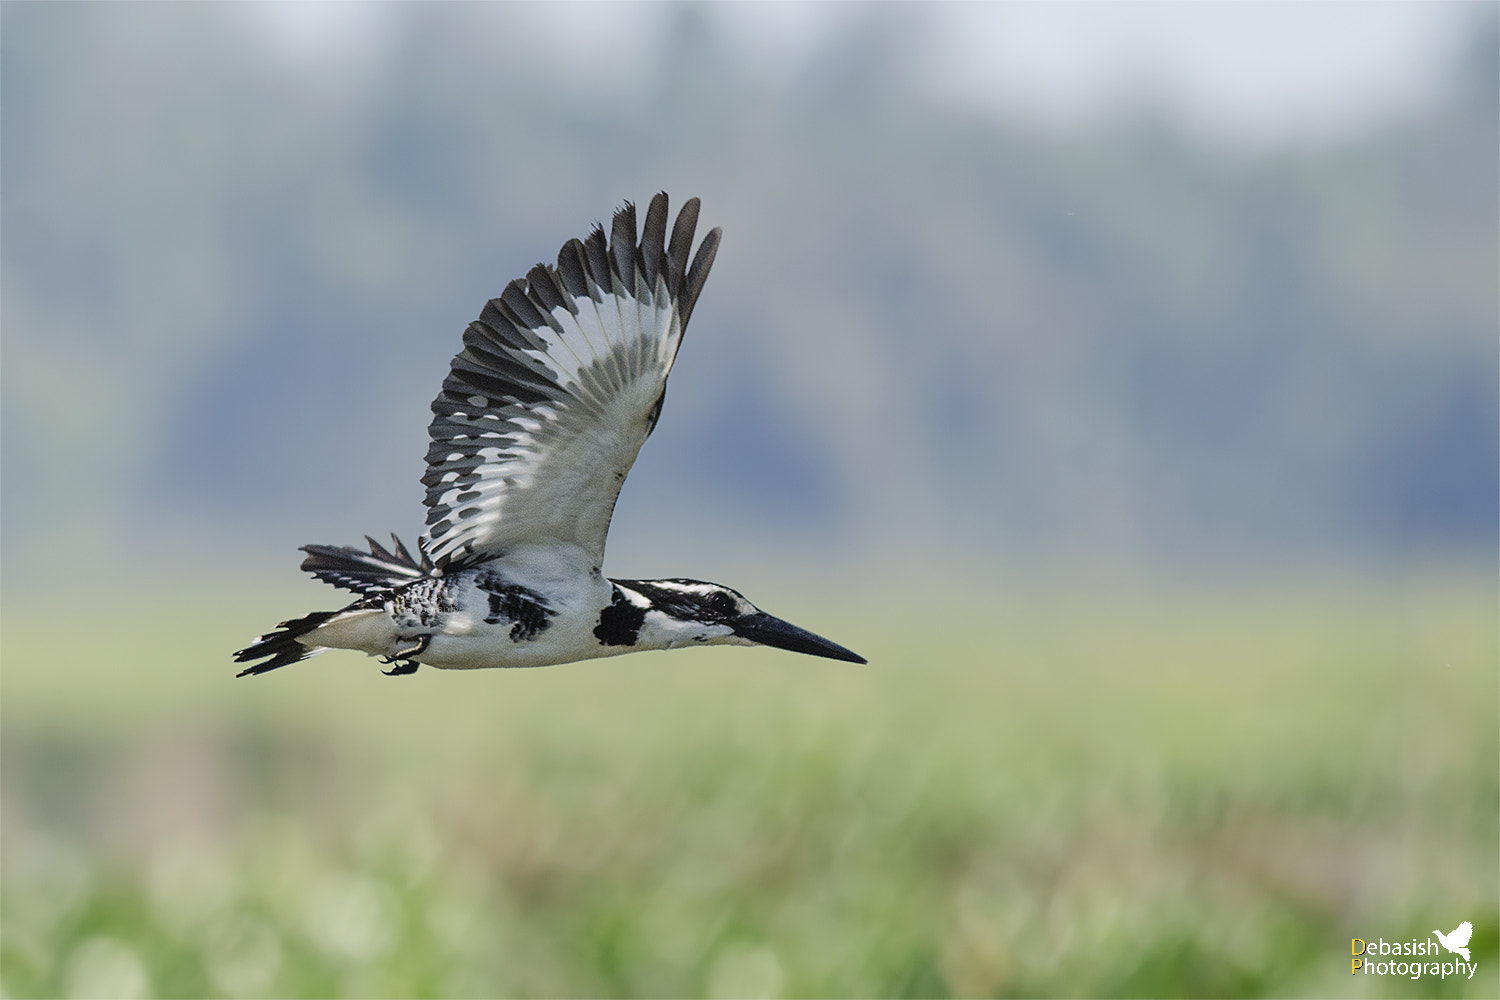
560	381
365	572
1460	936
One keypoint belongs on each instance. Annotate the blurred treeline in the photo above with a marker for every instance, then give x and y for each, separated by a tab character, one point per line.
234	275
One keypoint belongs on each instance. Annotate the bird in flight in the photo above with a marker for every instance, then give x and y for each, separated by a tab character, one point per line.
560	382
1457	940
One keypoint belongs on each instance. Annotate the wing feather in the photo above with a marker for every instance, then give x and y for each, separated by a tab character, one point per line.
558	385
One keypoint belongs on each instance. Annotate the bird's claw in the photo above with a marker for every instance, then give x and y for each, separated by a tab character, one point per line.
404	664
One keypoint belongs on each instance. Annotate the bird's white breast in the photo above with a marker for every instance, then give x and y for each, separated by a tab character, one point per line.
536	605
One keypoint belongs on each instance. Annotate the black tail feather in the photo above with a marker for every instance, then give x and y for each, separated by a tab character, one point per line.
366	572
281	645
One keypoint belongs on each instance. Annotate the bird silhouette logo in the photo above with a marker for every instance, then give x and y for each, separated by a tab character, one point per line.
1457	940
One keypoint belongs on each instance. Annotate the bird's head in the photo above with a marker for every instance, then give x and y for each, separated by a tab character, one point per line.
670	614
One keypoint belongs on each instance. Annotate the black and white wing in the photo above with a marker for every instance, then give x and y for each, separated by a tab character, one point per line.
559	383
365	572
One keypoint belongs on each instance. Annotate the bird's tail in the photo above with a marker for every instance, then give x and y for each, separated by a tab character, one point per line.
373	574
280	647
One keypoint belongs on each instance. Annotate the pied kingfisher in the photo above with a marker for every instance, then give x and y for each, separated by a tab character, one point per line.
560	382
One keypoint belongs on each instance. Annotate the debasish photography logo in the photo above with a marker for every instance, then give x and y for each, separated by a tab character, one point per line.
1368	955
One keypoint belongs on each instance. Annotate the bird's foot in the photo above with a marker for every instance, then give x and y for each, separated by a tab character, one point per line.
404	664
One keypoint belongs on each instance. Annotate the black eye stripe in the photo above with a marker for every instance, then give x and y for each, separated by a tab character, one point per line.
687	604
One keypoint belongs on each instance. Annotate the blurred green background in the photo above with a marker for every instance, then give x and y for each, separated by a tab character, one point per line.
1121	380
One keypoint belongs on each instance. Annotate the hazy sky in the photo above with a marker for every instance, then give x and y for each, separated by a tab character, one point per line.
1131	347
1239	72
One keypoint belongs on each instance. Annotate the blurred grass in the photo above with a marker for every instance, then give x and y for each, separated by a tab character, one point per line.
1167	795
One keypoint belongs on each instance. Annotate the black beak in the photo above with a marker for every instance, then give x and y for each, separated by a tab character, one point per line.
769	630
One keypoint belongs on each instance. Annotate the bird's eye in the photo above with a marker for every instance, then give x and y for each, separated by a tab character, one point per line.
722	604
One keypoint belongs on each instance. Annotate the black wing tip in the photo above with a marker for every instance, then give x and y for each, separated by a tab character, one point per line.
615	250
619	250
622	245
697	275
